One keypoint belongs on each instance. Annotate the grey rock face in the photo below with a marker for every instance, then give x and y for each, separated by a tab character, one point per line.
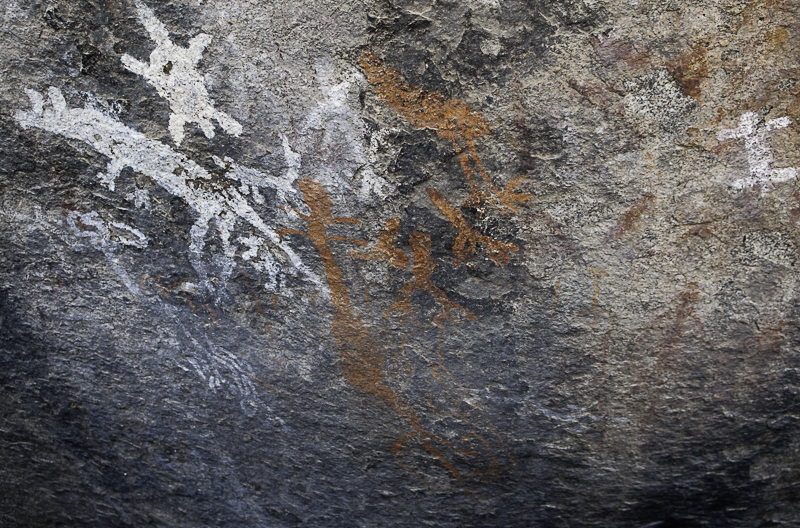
403	263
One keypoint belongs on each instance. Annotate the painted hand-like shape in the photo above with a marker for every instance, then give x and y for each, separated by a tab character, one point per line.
173	72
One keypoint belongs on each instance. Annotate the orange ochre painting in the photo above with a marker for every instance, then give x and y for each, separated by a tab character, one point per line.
362	357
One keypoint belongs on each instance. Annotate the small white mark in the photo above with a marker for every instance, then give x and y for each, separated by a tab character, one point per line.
140	198
759	154
491	47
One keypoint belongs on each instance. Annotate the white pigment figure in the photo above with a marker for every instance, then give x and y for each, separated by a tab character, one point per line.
219	205
759	155
173	73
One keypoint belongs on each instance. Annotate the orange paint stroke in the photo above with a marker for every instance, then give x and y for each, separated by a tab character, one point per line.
212	313
362	360
312	296
469	237
556	293
597	273
271	334
480	445
384	247
422	270
453	120
260	312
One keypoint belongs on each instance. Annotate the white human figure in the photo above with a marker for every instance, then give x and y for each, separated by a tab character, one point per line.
759	155
173	72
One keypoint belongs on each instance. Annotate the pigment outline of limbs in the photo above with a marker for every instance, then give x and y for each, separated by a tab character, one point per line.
452	120
172	70
422	270
481	437
108	236
468	237
362	359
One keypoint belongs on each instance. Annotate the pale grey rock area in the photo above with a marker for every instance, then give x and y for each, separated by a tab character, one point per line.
395	263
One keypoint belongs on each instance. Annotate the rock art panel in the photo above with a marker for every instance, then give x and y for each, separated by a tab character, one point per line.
407	263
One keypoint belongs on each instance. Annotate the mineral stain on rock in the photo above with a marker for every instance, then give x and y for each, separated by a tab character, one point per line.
690	69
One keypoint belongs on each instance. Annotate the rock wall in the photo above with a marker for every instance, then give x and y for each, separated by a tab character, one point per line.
491	263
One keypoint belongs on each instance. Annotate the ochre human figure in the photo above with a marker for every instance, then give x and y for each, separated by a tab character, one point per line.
422	270
452	120
362	360
468	237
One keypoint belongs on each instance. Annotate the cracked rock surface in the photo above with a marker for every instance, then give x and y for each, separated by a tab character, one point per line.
402	263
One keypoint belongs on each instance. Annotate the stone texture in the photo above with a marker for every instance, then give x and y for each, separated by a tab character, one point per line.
399	263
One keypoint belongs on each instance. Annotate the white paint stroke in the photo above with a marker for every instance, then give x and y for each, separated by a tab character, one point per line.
210	362
252	180
108	241
343	132
140	198
759	154
180	176
173	73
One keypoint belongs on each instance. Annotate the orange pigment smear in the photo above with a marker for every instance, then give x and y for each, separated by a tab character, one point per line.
422	270
452	120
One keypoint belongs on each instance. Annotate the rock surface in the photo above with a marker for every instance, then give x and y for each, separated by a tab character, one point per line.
399	263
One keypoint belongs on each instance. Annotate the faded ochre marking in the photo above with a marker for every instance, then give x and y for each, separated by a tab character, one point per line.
597	273
468	237
260	311
273	391
422	270
557	292
362	360
452	120
212	313
176	288
690	69
629	218
480	447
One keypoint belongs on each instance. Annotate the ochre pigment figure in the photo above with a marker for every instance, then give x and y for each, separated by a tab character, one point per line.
452	120
384	247
422	270
469	237
361	358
